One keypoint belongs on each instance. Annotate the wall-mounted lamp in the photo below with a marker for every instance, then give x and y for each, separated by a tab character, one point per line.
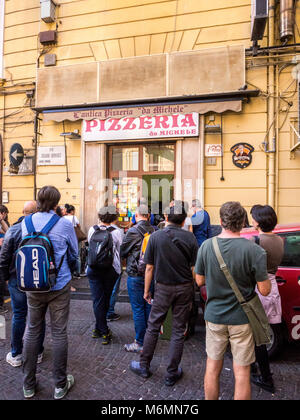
72	135
211	127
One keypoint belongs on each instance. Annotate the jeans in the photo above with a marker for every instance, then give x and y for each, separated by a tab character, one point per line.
101	285
19	309
58	303
180	299
140	308
113	299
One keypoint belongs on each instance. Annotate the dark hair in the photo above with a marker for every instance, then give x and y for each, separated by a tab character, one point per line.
3	209
176	213
265	216
59	211
232	216
106	214
48	198
69	208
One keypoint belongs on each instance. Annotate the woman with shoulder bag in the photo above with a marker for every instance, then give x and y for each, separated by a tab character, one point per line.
265	220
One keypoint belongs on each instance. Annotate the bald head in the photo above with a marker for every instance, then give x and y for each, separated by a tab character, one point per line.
29	208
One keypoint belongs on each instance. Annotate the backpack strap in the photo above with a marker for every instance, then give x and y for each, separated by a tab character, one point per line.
29	224
52	222
178	245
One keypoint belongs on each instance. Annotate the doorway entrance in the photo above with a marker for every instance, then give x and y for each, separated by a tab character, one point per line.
143	171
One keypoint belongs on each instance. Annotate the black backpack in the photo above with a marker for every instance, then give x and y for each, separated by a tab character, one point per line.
101	248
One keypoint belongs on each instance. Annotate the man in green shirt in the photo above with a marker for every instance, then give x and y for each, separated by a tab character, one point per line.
225	319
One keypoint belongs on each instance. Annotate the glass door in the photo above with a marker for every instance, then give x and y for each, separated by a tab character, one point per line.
141	171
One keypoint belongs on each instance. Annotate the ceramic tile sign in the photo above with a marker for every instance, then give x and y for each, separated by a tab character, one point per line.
242	154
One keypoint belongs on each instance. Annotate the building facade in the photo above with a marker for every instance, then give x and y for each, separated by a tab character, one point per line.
115	100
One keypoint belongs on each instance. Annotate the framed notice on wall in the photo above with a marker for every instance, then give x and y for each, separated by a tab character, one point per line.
53	156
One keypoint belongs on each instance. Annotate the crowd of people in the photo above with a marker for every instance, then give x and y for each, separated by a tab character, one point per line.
164	264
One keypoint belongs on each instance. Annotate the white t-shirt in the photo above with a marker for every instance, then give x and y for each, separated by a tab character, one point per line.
73	219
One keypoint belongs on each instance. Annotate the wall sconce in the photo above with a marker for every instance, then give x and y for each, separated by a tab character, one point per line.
72	135
211	127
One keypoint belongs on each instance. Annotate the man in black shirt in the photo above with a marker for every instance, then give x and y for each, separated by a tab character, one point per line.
170	257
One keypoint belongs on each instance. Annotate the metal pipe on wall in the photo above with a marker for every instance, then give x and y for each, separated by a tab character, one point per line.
271	111
287	20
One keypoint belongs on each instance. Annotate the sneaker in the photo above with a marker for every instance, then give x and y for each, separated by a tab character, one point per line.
14	361
170	381
136	368
28	393
3	310
106	338
266	384
134	347
96	333
113	317
60	393
40	358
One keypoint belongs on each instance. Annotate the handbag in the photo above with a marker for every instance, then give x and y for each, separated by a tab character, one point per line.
253	308
81	236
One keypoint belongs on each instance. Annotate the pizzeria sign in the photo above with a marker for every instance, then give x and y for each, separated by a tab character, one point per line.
144	127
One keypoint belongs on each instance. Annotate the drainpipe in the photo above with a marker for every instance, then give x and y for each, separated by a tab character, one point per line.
271	112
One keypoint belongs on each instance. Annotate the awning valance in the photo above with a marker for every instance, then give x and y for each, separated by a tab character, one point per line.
103	113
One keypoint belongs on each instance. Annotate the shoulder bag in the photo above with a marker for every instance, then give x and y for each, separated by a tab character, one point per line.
253	308
81	236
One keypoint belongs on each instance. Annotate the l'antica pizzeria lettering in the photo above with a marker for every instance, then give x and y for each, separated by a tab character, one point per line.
142	127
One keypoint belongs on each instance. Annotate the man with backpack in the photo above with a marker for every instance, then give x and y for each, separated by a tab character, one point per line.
170	257
44	262
104	269
11	243
132	249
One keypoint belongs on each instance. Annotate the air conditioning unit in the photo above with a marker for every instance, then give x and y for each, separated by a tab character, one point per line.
47	11
259	16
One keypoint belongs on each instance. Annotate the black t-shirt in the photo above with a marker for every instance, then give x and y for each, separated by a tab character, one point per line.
172	263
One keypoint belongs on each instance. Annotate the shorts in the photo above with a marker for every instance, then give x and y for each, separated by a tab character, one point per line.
240	337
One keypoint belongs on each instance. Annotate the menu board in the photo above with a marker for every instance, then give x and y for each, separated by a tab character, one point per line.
125	197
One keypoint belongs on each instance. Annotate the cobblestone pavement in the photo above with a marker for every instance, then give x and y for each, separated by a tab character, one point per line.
102	373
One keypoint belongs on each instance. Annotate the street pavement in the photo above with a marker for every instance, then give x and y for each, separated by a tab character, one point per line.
102	372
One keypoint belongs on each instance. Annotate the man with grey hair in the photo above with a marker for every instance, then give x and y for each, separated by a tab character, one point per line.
200	222
131	251
18	299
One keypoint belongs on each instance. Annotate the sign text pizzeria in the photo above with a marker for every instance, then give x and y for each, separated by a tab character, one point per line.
144	127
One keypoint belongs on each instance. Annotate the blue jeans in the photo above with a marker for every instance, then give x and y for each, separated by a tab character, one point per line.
113	299
140	308
101	285
19	308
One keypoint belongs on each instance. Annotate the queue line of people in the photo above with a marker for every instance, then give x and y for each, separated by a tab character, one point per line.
160	277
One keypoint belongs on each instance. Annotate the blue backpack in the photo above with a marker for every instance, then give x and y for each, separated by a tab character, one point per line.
35	263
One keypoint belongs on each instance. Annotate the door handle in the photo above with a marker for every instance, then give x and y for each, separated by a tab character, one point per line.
280	280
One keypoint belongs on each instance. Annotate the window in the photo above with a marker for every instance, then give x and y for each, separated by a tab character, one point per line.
291	256
159	158
125	159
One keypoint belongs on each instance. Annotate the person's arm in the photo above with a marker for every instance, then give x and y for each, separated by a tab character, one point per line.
200	280
264	287
260	269
148	280
6	256
4	226
72	247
